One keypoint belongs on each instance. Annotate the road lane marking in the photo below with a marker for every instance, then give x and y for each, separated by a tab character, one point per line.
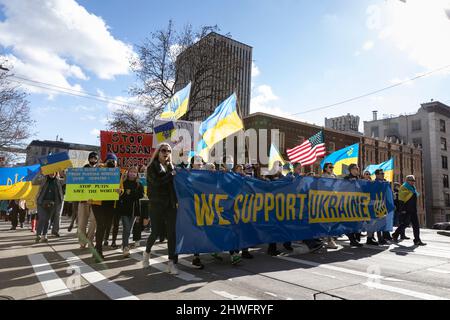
406	292
231	296
51	283
109	288
439	270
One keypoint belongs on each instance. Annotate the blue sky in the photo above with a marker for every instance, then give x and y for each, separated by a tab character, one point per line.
307	53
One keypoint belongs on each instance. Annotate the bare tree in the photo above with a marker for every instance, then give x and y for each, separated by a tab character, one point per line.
15	117
157	62
126	119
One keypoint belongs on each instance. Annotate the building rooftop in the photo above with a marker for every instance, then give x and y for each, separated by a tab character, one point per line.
62	145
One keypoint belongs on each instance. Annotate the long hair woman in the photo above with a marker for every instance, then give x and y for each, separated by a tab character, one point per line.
163	202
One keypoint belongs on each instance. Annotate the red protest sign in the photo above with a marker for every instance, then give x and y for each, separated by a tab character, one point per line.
131	149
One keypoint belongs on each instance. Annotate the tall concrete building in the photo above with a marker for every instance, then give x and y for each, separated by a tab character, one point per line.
427	129
347	123
230	71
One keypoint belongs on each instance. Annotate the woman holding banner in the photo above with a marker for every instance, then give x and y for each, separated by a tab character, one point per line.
163	202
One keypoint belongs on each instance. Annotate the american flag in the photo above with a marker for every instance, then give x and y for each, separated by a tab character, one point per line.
308	152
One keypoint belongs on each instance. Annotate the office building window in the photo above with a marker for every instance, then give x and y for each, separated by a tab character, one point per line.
417	142
442	125
375	132
445	180
444	162
416	125
447	199
443	144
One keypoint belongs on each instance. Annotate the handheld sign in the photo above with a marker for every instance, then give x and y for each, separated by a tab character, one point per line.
84	184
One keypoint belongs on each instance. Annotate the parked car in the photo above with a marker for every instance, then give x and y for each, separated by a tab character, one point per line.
442	226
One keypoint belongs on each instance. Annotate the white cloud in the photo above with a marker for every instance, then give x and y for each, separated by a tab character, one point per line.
255	70
419	28
88	118
264	100
56	41
368	45
95	132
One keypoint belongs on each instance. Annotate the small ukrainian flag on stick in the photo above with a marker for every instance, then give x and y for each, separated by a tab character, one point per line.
55	163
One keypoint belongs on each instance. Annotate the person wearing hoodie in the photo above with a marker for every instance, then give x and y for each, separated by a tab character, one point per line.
163	203
128	206
49	201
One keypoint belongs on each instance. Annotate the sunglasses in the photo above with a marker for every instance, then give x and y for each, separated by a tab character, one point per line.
330	167
166	151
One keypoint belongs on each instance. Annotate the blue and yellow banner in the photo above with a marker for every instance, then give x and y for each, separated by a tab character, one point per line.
388	169
55	163
96	184
221	211
178	104
16	183
342	158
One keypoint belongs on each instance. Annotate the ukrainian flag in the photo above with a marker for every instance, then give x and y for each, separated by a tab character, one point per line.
342	158
16	183
274	156
222	123
165	131
178	104
55	163
387	166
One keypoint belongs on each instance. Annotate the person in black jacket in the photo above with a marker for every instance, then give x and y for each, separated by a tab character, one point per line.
163	202
353	176
129	207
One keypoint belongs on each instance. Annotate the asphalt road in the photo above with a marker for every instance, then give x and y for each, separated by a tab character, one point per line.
61	270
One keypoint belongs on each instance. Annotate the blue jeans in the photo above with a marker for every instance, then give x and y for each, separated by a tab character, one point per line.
44	216
127	224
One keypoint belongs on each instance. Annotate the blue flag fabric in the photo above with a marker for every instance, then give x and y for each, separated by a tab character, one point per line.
220	211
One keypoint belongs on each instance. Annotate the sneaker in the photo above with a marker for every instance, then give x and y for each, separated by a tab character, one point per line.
44	239
172	268
132	245
105	243
69	228
247	255
288	247
395	237
21	225
126	252
12	228
382	242
56	235
355	244
235	259
114	245
38	239
419	243
316	247
273	253
146	260
197	263
331	244
371	242
405	238
216	256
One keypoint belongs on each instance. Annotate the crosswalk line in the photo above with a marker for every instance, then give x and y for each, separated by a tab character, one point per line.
159	264
230	296
51	283
373	279
109	288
